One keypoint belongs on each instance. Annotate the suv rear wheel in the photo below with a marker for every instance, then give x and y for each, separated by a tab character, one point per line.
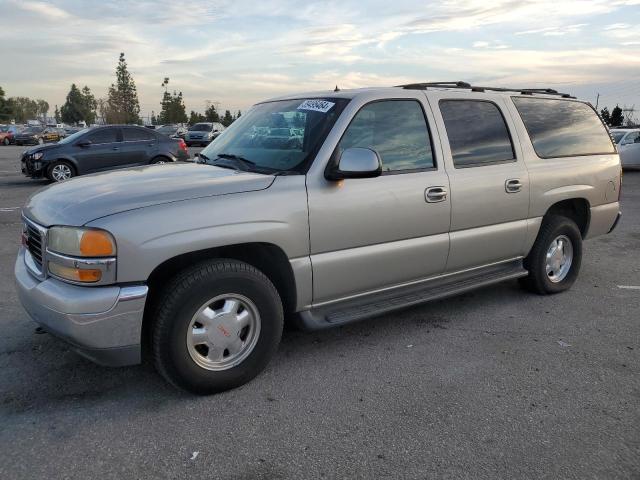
556	256
217	327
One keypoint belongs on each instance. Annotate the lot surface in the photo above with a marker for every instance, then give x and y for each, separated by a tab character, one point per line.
497	383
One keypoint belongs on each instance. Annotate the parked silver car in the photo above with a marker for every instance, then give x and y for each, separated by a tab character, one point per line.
203	133
393	197
628	141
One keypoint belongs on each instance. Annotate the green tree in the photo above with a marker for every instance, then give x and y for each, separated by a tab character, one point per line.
227	119
616	117
89	106
56	114
73	110
196	117
606	116
211	114
22	108
123	105
173	109
238	115
5	110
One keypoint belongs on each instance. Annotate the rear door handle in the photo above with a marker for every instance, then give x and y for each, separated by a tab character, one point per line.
513	185
116	148
435	194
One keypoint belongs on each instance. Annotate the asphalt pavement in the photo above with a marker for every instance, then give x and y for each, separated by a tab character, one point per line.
497	383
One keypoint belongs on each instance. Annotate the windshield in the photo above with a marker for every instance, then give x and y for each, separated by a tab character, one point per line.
278	136
74	137
617	136
32	130
201	127
167	129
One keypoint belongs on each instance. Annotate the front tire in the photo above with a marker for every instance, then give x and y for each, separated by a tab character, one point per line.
41	141
555	259
6	141
60	171
216	327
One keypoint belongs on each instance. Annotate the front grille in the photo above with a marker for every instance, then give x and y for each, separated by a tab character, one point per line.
34	245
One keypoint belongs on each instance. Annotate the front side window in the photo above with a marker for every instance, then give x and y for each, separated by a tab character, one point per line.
562	128
104	135
397	130
277	136
477	132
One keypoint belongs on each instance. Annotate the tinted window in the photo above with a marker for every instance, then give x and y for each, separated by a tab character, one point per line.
137	134
560	128
617	136
477	132
397	130
201	127
104	135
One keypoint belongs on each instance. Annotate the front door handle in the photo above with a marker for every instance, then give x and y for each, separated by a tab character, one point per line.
116	148
513	185
435	194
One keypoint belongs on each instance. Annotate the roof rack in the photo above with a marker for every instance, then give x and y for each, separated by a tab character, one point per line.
468	86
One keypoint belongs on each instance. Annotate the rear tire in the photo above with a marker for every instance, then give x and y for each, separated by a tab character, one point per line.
159	160
555	259
203	346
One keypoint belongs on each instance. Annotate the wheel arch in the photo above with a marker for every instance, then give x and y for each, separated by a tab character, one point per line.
577	209
269	258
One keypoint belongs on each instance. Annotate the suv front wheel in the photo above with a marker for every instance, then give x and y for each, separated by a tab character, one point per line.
556	256
217	327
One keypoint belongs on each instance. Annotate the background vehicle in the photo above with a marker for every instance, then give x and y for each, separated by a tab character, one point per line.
71	130
203	133
8	134
628	146
394	196
173	131
101	148
33	136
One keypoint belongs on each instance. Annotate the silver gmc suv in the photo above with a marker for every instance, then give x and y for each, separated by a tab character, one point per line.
322	208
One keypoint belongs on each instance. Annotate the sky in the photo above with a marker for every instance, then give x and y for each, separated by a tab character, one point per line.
237	52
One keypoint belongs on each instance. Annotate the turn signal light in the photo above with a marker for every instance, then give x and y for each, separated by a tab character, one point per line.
75	274
96	243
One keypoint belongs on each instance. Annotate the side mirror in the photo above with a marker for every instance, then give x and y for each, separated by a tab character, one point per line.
356	163
84	143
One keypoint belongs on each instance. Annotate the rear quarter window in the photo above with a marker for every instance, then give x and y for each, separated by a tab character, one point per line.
563	128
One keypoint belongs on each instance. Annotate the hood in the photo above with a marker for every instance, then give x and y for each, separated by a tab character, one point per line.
41	148
83	199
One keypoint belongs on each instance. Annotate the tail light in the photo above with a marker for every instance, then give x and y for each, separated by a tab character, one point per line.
182	146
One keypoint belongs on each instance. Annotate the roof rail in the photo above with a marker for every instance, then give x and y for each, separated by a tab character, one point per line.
473	88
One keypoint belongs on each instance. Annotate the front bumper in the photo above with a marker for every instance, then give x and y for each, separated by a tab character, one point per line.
28	167
103	324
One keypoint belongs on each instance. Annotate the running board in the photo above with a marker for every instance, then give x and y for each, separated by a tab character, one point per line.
354	309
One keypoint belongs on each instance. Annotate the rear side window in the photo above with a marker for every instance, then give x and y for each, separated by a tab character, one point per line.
477	132
397	130
104	135
137	134
563	128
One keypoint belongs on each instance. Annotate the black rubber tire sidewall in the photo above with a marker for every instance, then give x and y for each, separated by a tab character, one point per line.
214	278
552	227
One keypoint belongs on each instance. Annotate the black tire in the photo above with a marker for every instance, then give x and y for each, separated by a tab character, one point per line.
6	141
49	172
182	298
538	280
41	141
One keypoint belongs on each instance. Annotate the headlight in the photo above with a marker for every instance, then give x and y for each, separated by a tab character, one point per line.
81	242
81	255
37	156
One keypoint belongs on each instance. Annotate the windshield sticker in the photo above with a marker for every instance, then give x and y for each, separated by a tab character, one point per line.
316	105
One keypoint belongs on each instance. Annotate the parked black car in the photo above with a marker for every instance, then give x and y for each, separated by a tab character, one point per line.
101	148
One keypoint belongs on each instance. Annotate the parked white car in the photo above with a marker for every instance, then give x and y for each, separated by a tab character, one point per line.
628	141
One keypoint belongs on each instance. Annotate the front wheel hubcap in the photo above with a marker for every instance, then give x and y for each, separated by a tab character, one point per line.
223	332
61	172
559	258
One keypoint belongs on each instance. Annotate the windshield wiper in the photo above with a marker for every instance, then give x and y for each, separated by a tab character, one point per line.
246	164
